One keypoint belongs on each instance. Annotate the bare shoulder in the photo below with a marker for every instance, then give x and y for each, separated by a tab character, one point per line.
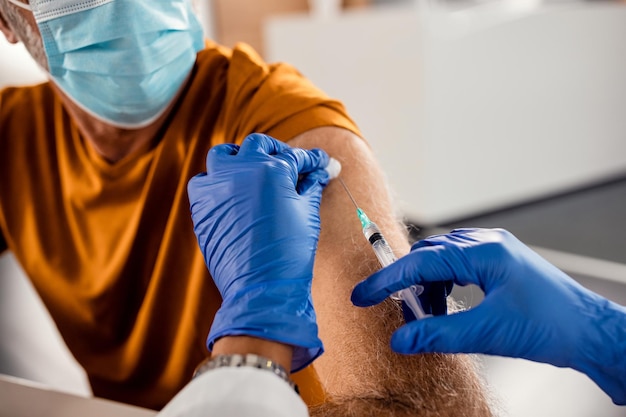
338	142
366	181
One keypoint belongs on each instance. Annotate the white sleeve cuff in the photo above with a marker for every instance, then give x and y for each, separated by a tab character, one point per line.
236	392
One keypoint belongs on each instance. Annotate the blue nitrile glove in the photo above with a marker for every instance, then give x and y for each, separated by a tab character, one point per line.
531	309
256	217
434	299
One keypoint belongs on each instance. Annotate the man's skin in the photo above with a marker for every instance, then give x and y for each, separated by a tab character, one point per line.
360	373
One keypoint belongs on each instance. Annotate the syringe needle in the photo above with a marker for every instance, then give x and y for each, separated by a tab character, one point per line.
348	191
386	257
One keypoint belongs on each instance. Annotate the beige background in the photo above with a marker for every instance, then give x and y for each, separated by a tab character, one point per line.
242	20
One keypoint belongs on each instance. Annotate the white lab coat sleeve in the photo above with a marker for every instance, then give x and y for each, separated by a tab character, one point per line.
236	392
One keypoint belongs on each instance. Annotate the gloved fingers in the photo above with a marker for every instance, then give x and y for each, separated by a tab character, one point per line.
305	161
469	237
309	165
427	264
313	183
485	257
428	241
259	143
224	149
218	152
465	230
434	299
457	237
465	332
195	187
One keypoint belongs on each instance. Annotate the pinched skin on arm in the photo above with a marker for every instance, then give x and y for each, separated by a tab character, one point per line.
358	370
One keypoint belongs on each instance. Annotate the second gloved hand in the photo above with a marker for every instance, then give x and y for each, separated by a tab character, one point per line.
531	309
256	217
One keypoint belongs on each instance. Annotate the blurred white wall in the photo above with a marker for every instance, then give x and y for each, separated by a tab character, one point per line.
473	109
204	9
16	66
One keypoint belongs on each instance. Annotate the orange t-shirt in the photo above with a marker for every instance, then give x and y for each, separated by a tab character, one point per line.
110	248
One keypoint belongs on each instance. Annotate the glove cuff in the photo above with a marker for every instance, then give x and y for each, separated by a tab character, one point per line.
278	311
602	357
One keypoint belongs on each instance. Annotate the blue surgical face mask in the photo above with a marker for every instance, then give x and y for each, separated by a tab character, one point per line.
121	61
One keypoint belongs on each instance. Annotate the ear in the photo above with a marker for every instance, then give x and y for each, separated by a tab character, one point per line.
7	31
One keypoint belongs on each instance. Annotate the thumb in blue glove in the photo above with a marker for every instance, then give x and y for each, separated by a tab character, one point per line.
256	217
531	309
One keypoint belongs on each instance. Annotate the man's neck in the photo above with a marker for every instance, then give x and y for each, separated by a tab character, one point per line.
111	142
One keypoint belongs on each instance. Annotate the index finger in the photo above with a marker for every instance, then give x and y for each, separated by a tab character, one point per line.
305	161
423	265
219	151
259	143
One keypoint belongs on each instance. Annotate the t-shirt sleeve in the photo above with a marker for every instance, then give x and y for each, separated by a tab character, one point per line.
275	99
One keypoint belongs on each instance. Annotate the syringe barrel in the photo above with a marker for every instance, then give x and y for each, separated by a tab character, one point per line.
383	252
370	230
386	257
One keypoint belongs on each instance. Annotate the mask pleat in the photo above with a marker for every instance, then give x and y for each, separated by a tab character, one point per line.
122	61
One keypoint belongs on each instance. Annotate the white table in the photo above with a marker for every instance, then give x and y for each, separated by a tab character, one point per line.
22	398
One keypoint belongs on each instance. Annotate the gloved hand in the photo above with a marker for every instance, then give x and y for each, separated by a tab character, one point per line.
256	216
531	309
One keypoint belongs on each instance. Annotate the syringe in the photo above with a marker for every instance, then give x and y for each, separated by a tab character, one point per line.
386	257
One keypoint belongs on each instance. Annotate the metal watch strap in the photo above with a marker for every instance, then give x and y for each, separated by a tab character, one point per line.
249	360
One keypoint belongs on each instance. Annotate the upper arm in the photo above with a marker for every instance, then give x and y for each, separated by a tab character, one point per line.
364	178
344	258
358	369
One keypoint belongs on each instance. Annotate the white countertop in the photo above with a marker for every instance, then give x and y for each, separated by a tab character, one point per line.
22	398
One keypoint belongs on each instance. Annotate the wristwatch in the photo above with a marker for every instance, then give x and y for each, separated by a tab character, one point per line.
249	360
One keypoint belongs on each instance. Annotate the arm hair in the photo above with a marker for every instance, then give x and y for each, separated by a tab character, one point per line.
359	372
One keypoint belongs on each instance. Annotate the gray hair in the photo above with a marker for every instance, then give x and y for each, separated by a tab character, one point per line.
26	32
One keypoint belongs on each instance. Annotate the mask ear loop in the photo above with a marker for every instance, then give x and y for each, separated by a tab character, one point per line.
22	5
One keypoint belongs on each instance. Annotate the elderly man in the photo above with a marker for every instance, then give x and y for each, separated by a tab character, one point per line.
93	204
